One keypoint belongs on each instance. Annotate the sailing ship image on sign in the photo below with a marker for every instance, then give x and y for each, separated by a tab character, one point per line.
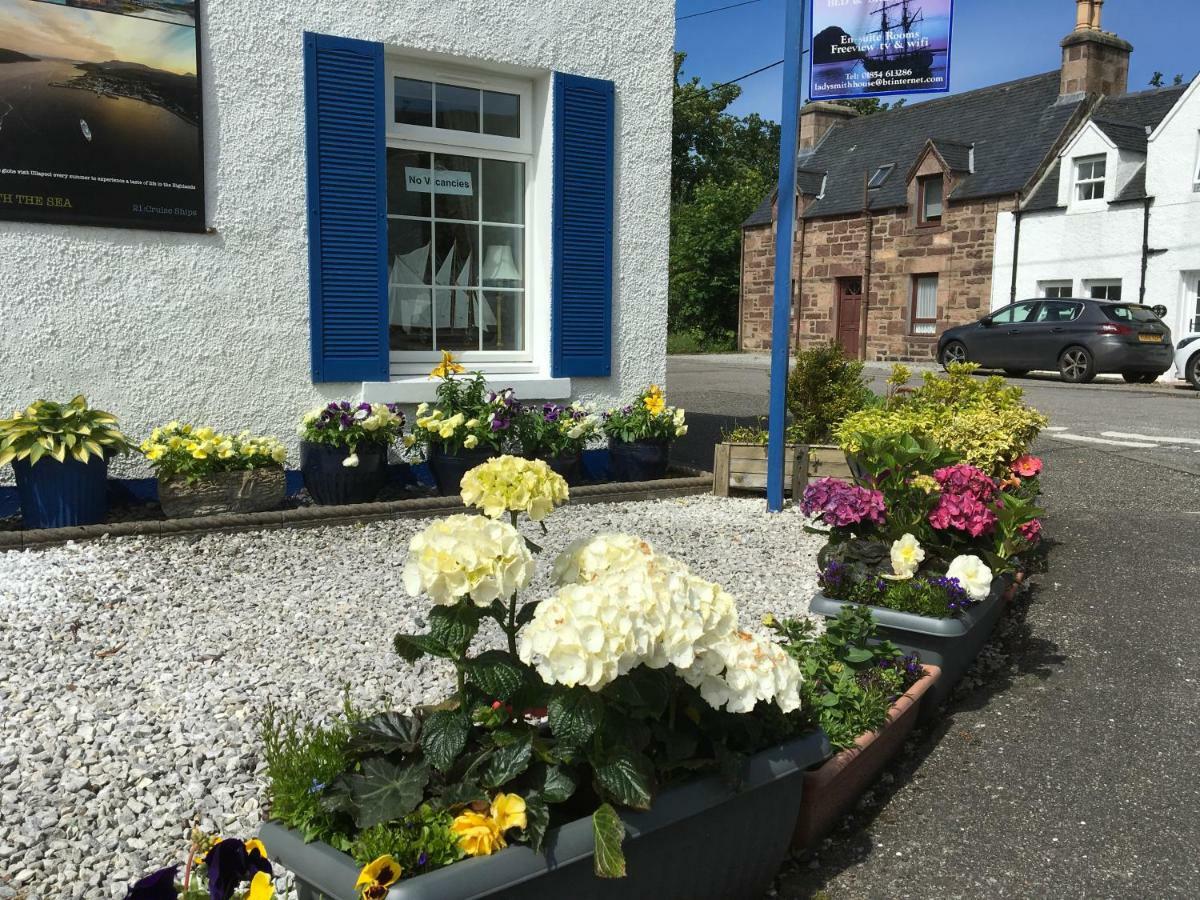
874	47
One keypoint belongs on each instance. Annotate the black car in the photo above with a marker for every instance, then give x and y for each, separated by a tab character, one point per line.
1082	338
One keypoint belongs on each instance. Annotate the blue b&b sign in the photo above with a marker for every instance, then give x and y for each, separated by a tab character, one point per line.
871	48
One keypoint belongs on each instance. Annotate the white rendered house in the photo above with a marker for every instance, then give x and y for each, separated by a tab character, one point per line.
1117	216
383	181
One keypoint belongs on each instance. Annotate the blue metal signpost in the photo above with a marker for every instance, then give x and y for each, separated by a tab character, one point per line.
786	220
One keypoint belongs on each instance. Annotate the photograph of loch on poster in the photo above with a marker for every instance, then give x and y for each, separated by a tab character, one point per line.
865	47
98	97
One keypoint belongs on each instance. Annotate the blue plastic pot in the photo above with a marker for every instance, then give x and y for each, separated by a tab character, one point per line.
61	494
330	483
568	465
449	468
639	460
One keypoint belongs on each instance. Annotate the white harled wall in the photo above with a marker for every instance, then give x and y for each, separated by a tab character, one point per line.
1101	242
214	328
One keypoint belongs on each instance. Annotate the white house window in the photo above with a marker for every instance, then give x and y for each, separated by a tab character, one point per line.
1054	289
1104	290
924	304
1196	176
1089	178
1195	298
458	170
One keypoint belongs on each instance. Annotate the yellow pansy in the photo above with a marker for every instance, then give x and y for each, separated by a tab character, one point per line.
654	401
470	442
375	878
260	887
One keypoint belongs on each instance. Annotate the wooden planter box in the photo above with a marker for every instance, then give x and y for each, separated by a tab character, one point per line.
250	491
832	790
743	467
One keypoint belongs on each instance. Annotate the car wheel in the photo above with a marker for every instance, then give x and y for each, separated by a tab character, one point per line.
1077	366
954	352
1016	373
1193	371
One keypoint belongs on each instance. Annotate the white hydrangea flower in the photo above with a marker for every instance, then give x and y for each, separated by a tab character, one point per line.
973	575
743	669
590	558
509	484
467	556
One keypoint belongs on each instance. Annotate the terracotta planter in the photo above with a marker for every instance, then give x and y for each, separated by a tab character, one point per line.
832	790
248	491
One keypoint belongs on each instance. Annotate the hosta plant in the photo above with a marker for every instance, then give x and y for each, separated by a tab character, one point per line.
633	674
50	430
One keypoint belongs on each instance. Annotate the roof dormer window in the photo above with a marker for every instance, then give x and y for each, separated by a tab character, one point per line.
880	176
931	191
1090	174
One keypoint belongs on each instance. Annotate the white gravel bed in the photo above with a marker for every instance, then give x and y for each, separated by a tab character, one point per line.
134	672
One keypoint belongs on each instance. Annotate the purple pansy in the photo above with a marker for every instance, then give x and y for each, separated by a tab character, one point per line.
158	885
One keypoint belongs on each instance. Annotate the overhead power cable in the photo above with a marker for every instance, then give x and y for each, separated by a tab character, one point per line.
709	12
704	92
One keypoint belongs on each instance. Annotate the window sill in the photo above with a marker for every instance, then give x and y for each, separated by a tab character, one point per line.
423	389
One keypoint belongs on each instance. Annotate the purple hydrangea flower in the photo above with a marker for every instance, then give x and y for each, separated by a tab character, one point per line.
839	504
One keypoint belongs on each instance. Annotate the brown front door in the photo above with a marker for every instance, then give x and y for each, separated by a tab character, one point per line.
849	314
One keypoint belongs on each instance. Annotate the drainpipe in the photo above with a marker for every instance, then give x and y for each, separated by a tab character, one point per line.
866	294
1145	248
741	289
798	283
1017	215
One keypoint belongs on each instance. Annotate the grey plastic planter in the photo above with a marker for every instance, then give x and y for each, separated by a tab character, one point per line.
701	841
949	644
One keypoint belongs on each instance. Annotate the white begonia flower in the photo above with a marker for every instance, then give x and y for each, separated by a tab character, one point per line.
351	461
743	669
907	556
973	575
467	556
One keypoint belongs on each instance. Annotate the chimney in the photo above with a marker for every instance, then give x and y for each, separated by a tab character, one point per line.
818	117
1094	61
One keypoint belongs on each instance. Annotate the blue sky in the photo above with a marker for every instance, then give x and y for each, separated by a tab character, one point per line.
993	42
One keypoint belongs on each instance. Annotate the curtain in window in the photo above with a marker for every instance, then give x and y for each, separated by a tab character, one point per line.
925	307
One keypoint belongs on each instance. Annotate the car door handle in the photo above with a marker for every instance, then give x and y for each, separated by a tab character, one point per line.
1058	330
1014	331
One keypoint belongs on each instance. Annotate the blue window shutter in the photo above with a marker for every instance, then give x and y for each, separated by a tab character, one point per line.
347	208
582	275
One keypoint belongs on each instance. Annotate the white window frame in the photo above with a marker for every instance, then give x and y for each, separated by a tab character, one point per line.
1079	182
1055	284
1089	286
405	363
1196	176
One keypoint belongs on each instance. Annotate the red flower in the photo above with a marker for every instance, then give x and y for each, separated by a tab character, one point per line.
1027	466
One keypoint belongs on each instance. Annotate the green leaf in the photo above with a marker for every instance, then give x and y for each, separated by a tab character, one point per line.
444	737
411	647
609	832
557	784
537	815
525	613
575	715
496	673
627	777
644	691
385	792
858	655
508	762
461	793
454	627
385	733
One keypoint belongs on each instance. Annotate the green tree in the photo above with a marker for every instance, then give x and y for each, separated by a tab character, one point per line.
722	166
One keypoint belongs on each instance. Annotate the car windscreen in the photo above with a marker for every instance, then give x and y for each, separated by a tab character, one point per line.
1130	313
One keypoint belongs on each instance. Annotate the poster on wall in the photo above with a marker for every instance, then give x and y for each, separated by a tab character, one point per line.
100	119
870	48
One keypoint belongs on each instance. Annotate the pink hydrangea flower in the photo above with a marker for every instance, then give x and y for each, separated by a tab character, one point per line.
966	479
839	504
962	512
1027	466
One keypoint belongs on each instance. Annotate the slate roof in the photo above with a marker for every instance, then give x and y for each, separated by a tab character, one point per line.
1046	195
1012	126
764	213
956	154
1126	137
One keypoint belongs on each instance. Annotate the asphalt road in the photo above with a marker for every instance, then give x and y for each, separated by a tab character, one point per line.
1066	765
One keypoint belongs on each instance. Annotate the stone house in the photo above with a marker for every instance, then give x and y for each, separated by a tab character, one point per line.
898	211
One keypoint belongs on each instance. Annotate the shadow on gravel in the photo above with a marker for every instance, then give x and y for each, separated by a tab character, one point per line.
1014	651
